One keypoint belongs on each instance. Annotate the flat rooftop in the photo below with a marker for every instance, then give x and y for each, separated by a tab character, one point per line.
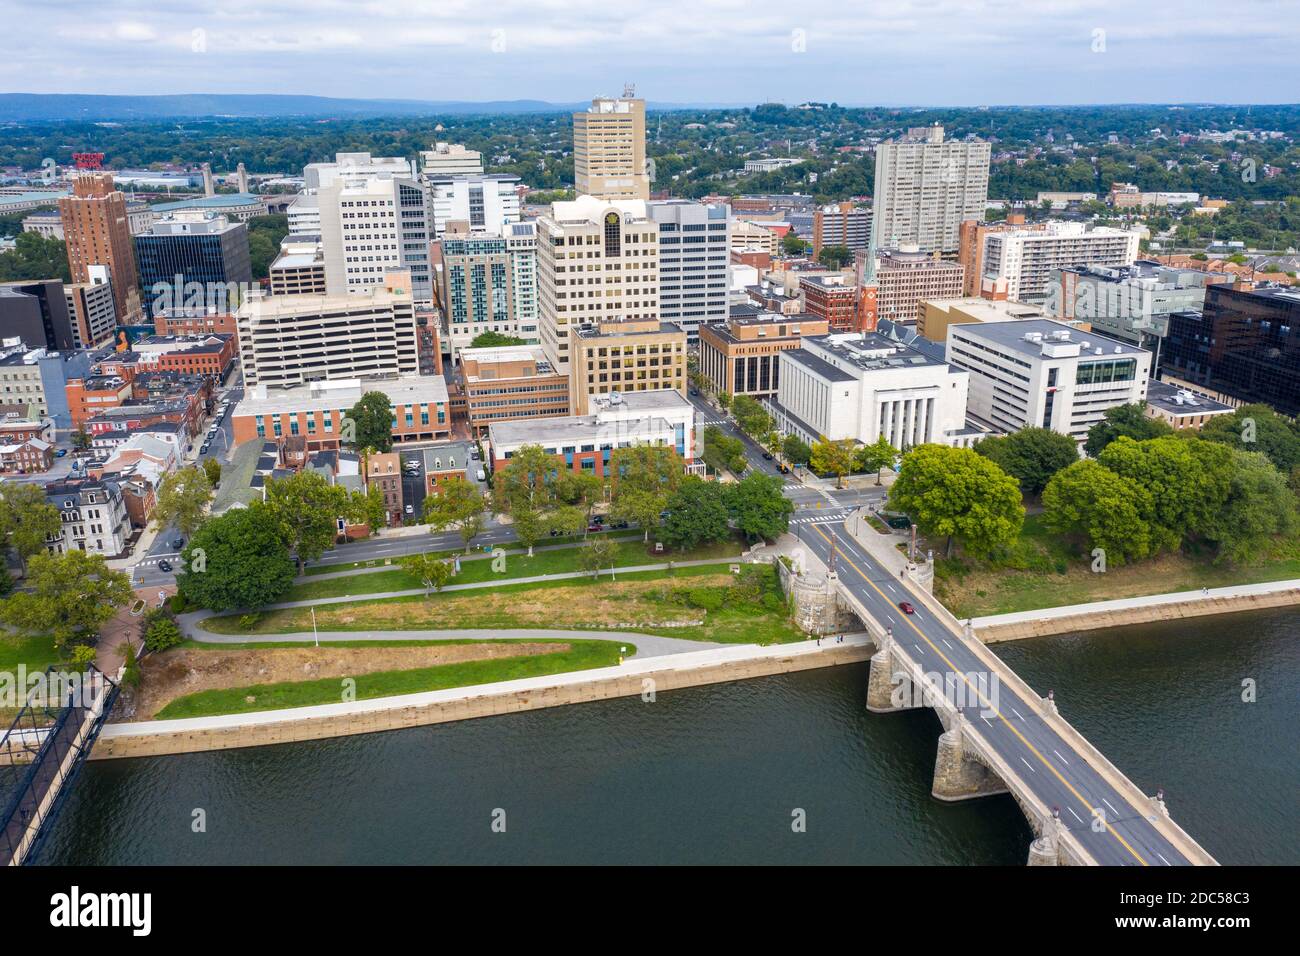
870	351
1011	336
1180	401
343	394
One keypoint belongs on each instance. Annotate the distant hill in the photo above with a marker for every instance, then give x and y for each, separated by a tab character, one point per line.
28	107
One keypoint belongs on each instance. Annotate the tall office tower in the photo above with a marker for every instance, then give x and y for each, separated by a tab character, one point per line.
486	283
596	261
486	202
90	308
375	216
841	224
694	262
290	340
609	149
925	188
191	255
450	159
97	230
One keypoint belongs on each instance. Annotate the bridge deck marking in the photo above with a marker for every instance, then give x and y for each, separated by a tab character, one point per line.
1032	749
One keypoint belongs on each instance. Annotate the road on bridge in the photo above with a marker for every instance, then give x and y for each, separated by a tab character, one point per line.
1053	770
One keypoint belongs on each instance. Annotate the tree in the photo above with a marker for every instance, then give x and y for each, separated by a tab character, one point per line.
833	458
1258	428
525	488
1123	420
875	457
80	439
183	499
581	489
1091	502
957	494
792	245
488	340
27	519
724	400
697	514
236	560
758	507
371	423
596	554
751	416
640	506
566	519
367	507
430	570
35	257
796	450
306	509
1260	505
212	468
646	468
722	452
459	503
1031	456
834	257
161	632
69	596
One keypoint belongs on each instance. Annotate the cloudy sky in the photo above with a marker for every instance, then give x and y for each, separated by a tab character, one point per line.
938	52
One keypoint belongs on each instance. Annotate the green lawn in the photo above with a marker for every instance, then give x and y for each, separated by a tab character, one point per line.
518	565
582	655
652	598
36	653
1040	570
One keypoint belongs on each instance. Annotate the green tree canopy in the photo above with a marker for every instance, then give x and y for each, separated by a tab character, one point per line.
796	450
1258	428
960	495
697	514
1088	501
1123	420
70	596
183	499
1187	481
758	507
1260	505
306	508
1031	456
236	560
491	340
876	457
457	503
369	423
833	458
430	570
27	519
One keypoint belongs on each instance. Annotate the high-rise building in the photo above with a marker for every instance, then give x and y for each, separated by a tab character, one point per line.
90	307
450	159
1243	346
596	260
191	255
970	245
1025	258
694	262
624	356
97	230
841	224
609	149
486	202
486	283
289	340
37	314
926	187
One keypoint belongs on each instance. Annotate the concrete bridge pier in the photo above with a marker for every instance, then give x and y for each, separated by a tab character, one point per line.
884	694
1046	849
957	774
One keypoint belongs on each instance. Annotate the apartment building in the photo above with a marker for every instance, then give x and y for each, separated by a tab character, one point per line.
609	149
832	297
625	356
509	383
925	187
286	341
486	282
1024	258
385	471
485	202
195	322
93	516
91	311
1042	373
596	261
21	378
694	262
841	224
970	245
862	386
97	231
742	355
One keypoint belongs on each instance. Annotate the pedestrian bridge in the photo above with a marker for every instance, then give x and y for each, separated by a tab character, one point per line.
999	736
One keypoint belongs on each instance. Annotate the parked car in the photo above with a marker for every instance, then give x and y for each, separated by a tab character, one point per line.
410	510
60	453
906	607
482	475
595	526
203	449
178	543
164	565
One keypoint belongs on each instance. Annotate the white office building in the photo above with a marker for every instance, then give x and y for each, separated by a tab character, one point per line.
1026	258
450	159
925	187
861	386
1042	373
486	203
694	262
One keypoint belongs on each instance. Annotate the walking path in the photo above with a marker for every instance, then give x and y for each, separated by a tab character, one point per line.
1207	595
646	645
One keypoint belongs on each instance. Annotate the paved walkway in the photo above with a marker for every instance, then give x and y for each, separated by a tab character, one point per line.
647	645
1208	595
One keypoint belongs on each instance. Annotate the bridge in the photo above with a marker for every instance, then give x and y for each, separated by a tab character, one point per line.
999	735
50	738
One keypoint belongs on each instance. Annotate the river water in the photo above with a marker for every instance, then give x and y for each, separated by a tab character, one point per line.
787	769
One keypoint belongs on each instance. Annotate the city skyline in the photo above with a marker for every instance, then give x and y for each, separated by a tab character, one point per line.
973	52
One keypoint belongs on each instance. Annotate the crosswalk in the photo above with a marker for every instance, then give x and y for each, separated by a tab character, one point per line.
816	519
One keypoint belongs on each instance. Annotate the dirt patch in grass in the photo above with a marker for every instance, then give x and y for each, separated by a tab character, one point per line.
180	672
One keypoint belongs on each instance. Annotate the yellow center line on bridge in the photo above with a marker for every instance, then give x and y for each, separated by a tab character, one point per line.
1032	749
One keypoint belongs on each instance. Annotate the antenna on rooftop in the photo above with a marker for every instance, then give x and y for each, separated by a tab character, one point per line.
629	90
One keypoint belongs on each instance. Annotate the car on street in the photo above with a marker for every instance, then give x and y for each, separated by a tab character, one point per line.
410	510
178	543
60	453
906	607
767	456
203	449
164	565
